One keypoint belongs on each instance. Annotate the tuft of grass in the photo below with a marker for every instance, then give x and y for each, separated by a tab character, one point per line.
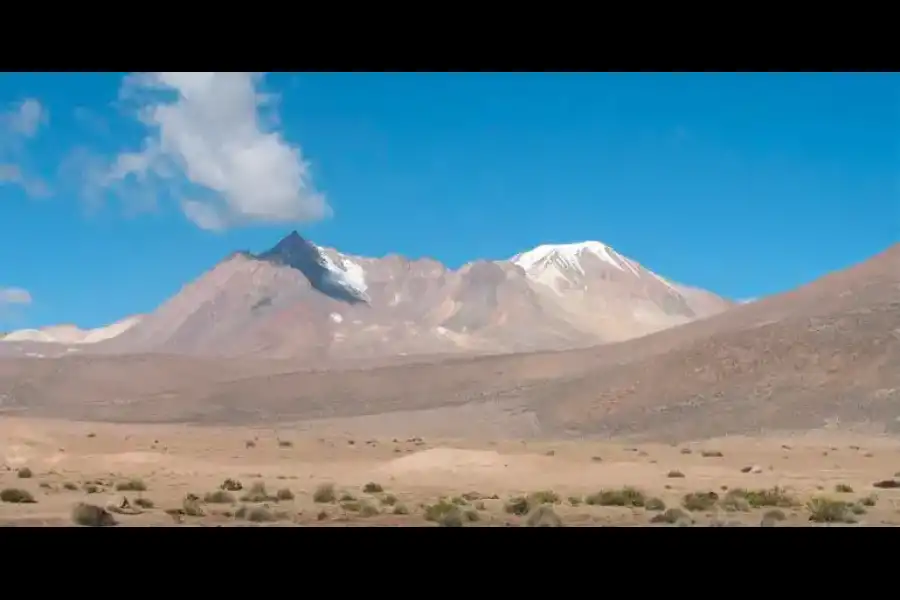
70	486
24	473
626	496
231	485
843	488
190	506
472	515
711	454
257	493
543	497
517	505
543	516
90	515
436	512
575	500
400	509
285	444
324	493
219	497
675	475
671	516
16	496
870	500
257	514
90	488
367	509
451	518
373	488
132	485
699	501
143	502
826	510
686	451
775	497
389	500
655	504
735	501
284	494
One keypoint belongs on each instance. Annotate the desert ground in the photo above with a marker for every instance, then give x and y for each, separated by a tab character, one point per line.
175	475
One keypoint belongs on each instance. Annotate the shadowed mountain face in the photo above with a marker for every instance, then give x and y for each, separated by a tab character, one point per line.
297	253
299	300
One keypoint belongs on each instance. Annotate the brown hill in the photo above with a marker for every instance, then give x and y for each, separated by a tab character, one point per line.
301	301
826	354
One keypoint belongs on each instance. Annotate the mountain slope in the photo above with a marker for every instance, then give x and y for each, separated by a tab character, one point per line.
299	300
824	355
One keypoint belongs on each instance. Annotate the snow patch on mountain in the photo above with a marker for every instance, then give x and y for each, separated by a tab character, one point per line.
345	272
566	255
555	264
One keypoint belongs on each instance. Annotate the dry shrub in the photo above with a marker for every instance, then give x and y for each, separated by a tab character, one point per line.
231	485
699	501
825	510
284	494
143	502
258	493
325	493
17	496
190	506
132	485
543	516
626	496
90	515
219	497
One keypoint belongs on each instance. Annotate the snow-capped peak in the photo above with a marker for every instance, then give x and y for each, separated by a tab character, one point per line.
561	264
567	256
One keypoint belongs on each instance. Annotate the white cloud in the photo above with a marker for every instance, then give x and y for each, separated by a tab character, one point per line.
12	174
25	119
206	128
13	295
18	124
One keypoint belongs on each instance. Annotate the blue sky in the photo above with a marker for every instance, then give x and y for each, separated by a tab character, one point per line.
744	184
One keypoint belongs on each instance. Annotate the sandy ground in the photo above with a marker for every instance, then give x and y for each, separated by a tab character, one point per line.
85	462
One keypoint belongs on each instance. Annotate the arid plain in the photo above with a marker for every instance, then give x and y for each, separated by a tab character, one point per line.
164	475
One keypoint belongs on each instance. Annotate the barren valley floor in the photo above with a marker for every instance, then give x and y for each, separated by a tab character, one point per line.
284	478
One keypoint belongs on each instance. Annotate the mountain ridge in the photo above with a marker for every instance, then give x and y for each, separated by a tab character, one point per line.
301	300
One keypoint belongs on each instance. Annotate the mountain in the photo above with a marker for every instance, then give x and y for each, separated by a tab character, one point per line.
825	355
70	334
300	300
610	295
